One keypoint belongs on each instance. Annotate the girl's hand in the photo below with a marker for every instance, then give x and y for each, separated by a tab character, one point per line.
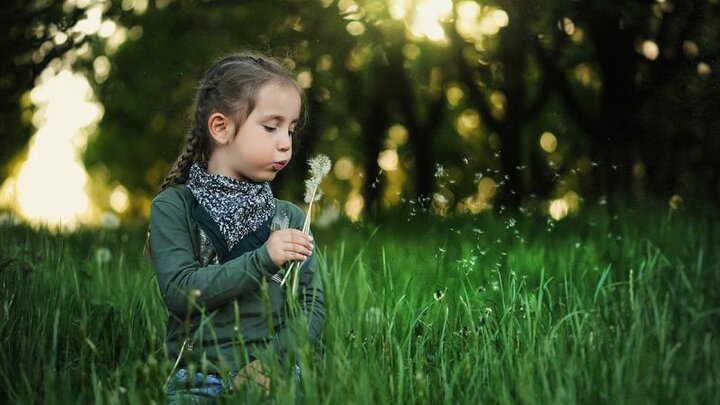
288	244
256	372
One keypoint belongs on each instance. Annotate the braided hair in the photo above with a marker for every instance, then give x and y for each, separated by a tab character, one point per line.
229	87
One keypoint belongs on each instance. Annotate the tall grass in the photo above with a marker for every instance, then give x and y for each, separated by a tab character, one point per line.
491	308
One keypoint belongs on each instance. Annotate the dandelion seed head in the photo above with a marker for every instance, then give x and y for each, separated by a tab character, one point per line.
103	255
319	168
373	316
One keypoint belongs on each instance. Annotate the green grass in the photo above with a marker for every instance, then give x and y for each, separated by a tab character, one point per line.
491	308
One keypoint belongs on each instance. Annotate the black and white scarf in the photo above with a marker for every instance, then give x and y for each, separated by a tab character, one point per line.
238	207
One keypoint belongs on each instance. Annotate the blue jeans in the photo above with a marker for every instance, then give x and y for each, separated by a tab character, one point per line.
204	389
185	388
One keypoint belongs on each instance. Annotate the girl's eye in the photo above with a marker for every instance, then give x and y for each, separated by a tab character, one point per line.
269	128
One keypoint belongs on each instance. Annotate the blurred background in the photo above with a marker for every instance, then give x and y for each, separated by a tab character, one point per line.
437	106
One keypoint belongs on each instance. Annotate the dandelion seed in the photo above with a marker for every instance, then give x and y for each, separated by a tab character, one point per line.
280	222
439	295
439	170
196	293
478	177
440	199
495	285
509	223
465	160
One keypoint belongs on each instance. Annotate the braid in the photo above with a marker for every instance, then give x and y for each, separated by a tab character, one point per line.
190	153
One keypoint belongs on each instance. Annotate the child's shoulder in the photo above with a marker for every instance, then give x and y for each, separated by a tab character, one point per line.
177	194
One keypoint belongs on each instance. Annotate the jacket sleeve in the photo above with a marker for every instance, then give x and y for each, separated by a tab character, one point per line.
310	301
185	285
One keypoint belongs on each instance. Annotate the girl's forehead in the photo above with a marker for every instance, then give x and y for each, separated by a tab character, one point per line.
278	100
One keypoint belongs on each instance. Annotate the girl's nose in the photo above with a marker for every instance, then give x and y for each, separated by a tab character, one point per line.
285	144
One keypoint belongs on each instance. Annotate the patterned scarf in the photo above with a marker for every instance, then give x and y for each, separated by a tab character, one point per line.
238	207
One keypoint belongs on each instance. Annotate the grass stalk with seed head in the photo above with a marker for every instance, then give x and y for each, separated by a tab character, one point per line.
319	168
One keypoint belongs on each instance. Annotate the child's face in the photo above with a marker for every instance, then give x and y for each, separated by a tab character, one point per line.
263	144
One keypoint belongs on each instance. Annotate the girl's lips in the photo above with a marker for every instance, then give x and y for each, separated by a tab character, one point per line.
279	165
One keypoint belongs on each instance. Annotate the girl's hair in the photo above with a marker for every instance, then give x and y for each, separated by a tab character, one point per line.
229	87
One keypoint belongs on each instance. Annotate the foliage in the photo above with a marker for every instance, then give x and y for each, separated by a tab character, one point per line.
490	308
626	88
579	71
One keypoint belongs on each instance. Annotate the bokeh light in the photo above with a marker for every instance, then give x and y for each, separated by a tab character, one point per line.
50	186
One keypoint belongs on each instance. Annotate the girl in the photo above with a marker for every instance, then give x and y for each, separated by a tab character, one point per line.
214	238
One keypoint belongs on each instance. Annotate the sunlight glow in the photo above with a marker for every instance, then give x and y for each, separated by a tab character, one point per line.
119	199
468	123
569	203
354	206
650	50
50	186
558	209
703	69
344	168
427	17
388	160
482	200
548	142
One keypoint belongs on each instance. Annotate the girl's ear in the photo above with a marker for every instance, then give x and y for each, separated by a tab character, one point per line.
221	128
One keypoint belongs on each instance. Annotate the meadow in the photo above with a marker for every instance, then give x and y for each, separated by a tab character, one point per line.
494	308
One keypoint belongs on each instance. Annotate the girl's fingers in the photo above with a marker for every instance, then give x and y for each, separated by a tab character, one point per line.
297	236
301	248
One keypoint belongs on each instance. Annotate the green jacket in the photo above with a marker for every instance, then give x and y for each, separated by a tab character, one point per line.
220	312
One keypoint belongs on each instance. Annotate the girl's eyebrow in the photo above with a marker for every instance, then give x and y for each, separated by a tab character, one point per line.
277	117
